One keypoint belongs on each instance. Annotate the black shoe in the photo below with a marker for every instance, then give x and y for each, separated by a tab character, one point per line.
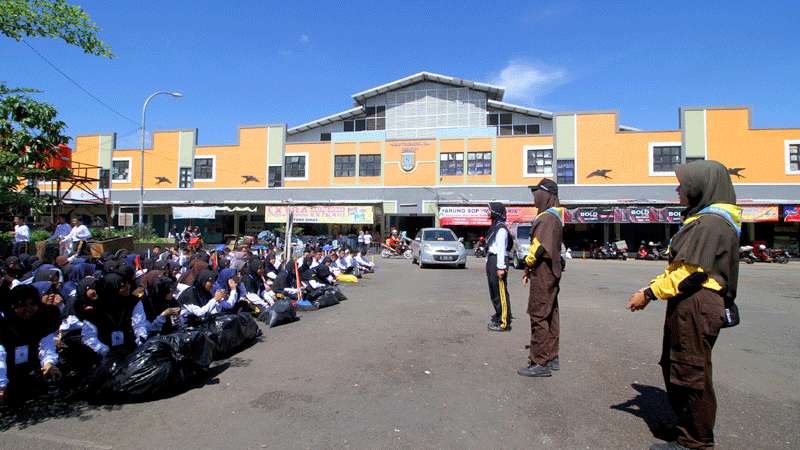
668	446
553	364
535	370
497	327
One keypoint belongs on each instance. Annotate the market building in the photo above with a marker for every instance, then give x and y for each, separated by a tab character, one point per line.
433	149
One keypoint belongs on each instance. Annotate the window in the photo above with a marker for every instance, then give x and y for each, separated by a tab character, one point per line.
565	171
324	137
451	164
185	179
439	235
274	176
479	163
344	165
204	169
369	165
495	119
121	170
505	127
104	177
793	157
295	166
375	120
538	161
664	156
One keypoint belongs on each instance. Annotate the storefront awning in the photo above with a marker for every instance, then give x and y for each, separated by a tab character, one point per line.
331	214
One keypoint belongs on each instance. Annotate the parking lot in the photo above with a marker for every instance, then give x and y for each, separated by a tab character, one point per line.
407	362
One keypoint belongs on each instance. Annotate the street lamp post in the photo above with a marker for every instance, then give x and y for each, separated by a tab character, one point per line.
141	161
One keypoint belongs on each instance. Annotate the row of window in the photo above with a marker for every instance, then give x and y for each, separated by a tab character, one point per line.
368	165
538	161
794	158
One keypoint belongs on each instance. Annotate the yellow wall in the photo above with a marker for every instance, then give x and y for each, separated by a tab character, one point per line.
235	161
760	152
626	154
424	174
319	164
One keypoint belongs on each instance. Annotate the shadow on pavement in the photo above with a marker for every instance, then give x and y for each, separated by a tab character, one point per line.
652	405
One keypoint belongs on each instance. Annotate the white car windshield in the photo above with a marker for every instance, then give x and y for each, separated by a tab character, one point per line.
438	235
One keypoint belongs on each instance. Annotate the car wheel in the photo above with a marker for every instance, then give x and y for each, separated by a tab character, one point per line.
462	266
422	265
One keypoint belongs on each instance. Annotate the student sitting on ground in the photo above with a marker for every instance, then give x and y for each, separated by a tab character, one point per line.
27	342
199	301
158	312
363	264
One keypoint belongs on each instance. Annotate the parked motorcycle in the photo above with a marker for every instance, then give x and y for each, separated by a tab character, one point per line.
397	247
610	250
775	255
746	254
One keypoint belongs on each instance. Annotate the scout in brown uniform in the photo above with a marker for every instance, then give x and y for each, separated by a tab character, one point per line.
699	285
543	269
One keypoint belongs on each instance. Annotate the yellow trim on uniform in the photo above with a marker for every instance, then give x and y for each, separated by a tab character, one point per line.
530	260
503	304
665	285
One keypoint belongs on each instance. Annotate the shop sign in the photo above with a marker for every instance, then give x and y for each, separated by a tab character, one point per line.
194	212
478	216
320	214
636	214
759	214
791	213
670	215
590	215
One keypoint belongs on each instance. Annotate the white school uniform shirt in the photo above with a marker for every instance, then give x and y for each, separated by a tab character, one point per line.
47	353
22	233
367	239
62	230
498	248
79	233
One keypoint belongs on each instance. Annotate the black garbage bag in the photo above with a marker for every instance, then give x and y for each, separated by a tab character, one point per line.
337	292
230	332
327	299
162	366
313	294
282	312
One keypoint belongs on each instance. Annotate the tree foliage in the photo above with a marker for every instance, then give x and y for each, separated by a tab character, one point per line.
29	137
51	19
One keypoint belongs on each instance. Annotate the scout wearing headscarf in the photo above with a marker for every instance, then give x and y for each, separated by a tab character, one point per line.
496	269
200	301
543	269
699	283
107	319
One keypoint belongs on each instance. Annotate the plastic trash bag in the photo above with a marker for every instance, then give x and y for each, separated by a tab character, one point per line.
162	366
327	299
337	292
282	312
230	332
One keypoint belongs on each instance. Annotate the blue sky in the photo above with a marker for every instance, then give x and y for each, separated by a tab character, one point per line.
256	62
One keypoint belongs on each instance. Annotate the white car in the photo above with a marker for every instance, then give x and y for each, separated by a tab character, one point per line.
522	241
438	246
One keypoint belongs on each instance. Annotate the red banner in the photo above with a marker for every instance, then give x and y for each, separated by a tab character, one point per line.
791	213
634	214
478	216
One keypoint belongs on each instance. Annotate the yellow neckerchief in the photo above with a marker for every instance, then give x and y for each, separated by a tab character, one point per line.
556	211
731	213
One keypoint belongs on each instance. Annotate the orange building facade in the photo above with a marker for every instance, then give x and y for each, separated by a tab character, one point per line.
409	148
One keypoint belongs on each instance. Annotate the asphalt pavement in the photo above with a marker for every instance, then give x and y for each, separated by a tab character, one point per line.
407	362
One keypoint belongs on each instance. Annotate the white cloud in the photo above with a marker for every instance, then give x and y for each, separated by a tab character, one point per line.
527	82
304	39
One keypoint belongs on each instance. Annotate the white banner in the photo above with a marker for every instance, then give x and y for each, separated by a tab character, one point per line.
194	212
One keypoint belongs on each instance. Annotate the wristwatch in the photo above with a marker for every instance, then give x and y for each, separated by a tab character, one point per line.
648	294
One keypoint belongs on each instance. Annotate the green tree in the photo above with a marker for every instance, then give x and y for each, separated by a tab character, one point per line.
30	131
51	19
29	136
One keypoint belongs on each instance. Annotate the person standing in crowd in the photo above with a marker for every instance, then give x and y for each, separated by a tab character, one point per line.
78	236
543	270
367	242
360	240
497	270
22	235
699	285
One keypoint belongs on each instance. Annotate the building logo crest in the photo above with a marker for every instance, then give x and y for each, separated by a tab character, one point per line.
408	161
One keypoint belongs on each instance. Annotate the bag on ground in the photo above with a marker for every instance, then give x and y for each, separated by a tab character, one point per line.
230	332
282	312
327	299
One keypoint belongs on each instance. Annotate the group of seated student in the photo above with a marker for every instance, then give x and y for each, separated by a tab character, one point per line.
116	302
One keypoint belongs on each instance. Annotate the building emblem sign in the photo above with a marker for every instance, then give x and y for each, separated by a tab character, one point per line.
408	160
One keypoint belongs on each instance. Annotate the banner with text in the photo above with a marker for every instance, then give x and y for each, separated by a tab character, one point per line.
600	214
320	214
478	216
791	213
760	214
